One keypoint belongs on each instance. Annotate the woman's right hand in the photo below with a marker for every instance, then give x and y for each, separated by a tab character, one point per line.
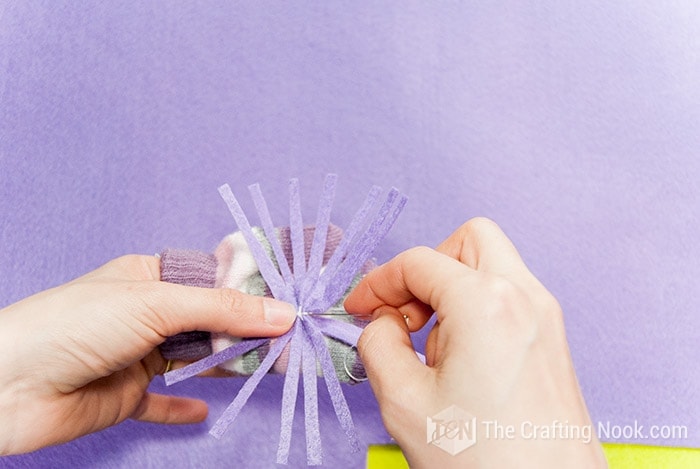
498	351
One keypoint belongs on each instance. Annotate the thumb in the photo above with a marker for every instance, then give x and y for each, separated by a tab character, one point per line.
388	356
170	309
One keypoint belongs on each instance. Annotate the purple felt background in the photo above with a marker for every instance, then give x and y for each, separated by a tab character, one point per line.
575	125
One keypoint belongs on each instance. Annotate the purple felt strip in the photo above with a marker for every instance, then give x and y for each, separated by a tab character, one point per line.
357	250
296	233
349	236
333	384
270	233
249	386
314	452
315	292
363	250
211	361
289	393
341	330
362	236
389	212
318	245
344	331
265	265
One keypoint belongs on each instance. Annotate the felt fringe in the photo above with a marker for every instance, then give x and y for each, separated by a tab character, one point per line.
312	289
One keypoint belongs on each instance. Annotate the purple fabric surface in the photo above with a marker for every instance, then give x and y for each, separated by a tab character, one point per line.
187	267
575	126
196	269
187	346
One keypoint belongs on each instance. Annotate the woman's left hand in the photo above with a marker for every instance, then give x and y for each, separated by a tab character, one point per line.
79	357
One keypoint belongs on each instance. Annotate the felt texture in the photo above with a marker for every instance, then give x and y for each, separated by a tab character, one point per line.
233	266
195	269
619	456
575	126
295	288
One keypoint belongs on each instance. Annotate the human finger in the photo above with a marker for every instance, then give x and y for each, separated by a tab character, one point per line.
388	355
170	309
482	245
159	408
215	372
418	276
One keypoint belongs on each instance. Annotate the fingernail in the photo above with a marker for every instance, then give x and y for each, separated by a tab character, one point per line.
278	313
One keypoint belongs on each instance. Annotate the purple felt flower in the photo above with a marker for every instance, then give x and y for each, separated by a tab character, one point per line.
312	290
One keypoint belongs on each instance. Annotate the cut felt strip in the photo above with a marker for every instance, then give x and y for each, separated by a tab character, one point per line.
289	394
358	221
211	361
340	405
314	454
364	249
267	269
249	386
318	244
296	227
343	331
313	290
270	233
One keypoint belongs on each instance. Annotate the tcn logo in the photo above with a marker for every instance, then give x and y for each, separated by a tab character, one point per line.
452	430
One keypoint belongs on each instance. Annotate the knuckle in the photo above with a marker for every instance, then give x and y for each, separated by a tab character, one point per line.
476	226
128	259
416	252
465	243
145	291
126	262
232	301
454	285
504	292
137	265
548	306
411	259
170	413
147	296
521	313
506	302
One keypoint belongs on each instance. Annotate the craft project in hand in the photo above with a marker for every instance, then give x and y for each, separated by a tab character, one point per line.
315	283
